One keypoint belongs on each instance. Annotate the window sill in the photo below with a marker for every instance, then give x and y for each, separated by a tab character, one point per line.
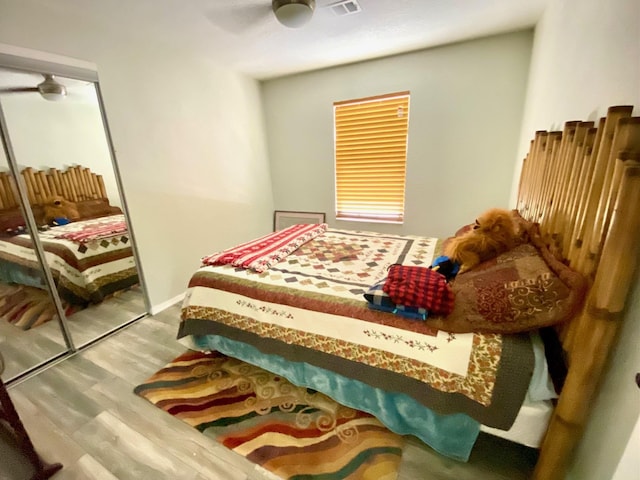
369	220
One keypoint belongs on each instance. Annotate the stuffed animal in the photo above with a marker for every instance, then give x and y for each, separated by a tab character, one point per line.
57	208
494	232
445	266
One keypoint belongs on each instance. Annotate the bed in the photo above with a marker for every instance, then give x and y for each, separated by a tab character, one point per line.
303	313
90	258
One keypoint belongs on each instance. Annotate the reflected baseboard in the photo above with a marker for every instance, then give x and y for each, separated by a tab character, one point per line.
155	309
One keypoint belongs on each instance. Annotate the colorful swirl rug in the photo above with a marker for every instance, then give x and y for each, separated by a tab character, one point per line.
27	307
291	431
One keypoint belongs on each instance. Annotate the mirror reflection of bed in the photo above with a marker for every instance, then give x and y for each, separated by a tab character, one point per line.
65	166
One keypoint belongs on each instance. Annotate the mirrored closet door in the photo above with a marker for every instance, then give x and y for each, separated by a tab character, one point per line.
28	337
65	168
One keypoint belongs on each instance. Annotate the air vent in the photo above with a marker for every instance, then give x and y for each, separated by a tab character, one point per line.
345	7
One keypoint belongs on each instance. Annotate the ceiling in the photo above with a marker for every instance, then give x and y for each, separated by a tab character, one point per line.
258	45
245	35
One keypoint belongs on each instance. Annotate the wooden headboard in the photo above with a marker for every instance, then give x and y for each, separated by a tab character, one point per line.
583	186
75	184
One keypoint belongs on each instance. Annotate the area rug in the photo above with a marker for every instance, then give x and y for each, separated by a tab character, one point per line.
27	307
296	433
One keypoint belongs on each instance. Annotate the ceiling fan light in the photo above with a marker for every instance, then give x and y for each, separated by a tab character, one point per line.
54	96
293	13
52	90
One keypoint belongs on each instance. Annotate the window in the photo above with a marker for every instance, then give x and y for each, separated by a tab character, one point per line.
371	157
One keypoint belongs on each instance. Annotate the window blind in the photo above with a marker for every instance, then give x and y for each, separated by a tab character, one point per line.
371	157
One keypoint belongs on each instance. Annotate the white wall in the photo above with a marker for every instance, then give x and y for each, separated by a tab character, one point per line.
466	106
58	135
630	462
586	57
188	132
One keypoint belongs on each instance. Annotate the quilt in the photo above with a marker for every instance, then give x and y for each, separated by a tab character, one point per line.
84	271
310	307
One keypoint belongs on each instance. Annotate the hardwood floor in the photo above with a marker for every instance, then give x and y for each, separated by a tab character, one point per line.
24	349
83	413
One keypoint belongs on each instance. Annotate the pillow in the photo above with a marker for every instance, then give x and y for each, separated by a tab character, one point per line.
521	290
461	231
11	219
96	208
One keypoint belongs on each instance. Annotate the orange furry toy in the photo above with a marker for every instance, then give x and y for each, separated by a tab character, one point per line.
494	232
59	207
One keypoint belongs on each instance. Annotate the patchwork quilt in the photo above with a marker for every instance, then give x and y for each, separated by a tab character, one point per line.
84	271
310	307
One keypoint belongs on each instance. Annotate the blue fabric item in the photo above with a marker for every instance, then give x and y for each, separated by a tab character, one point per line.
379	298
450	435
58	221
446	267
406	312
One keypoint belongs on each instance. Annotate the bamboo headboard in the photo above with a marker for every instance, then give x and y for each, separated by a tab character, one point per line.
75	184
583	186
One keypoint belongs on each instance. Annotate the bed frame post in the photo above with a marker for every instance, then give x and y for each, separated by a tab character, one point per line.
605	150
599	325
552	157
583	182
624	138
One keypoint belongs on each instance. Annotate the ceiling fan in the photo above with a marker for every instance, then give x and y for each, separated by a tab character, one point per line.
238	17
293	13
241	16
49	89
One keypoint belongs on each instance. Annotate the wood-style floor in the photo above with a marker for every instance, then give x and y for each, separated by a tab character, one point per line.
82	412
24	349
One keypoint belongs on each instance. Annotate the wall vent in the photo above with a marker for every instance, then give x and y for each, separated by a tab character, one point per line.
345	7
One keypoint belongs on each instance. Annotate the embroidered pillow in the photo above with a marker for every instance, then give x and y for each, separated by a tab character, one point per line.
521	290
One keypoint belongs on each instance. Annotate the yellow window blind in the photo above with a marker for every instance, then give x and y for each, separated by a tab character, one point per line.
371	157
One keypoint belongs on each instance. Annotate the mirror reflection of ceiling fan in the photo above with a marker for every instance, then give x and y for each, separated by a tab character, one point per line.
49	89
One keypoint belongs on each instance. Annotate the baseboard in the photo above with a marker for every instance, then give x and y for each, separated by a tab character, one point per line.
164	305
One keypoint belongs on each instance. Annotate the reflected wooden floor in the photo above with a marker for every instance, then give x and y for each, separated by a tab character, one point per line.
82	412
23	349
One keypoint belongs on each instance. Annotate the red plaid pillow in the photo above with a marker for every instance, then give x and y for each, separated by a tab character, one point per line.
419	287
